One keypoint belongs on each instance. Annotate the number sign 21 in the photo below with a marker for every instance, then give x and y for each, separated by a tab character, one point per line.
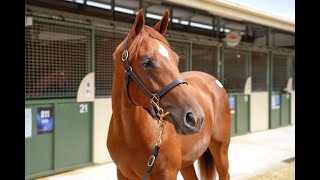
83	108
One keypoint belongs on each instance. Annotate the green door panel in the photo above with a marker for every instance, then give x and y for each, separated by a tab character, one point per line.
285	109
233	125
242	113
275	110
239	105
73	134
38	148
232	103
279	109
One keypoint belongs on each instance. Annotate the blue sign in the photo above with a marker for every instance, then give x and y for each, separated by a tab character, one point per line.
44	120
275	101
232	103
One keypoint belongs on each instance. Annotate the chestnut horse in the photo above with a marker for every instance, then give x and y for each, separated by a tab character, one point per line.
196	105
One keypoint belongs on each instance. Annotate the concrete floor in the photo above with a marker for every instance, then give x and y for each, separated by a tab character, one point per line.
249	155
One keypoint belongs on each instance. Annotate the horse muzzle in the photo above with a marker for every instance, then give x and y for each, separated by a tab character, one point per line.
188	124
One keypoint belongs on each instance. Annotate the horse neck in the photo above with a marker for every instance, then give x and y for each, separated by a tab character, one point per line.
128	117
121	102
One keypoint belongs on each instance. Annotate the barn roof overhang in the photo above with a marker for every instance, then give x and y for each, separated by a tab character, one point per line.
238	12
210	18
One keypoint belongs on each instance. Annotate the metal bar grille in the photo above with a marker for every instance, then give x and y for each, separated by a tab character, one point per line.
204	58
105	45
56	60
236	64
280	72
182	49
259	71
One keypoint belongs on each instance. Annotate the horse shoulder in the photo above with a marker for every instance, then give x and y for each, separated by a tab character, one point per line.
203	82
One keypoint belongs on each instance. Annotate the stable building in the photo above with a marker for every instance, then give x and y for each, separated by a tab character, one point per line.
69	70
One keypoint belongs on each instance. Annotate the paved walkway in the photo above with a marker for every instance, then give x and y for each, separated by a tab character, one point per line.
249	155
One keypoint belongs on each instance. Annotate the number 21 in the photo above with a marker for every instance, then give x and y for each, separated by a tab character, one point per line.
83	108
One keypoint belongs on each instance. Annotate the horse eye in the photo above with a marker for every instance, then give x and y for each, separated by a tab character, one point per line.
147	63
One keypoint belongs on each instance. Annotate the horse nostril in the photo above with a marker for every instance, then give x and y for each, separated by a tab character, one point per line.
190	120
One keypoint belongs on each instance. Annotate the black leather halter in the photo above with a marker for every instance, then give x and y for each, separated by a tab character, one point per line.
153	96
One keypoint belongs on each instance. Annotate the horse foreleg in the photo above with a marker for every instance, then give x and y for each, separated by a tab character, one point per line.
189	173
219	152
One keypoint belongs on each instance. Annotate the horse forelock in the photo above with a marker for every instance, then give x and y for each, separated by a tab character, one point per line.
146	32
135	43
156	35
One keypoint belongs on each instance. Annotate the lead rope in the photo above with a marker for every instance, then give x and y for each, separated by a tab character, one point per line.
160	127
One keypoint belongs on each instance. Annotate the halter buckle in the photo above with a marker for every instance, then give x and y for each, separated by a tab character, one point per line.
127	72
155	101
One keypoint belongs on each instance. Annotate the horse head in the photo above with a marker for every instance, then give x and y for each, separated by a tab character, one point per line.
153	61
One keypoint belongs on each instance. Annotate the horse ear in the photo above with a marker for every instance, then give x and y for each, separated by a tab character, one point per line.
162	25
137	25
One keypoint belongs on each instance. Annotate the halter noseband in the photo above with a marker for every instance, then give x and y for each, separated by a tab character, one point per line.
154	97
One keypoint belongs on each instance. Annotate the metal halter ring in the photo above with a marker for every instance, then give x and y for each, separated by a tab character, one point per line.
151	160
125	55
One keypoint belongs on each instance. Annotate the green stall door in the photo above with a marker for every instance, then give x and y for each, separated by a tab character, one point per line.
239	105
39	155
281	72
275	118
242	113
61	141
285	109
232	102
233	125
73	134
280	109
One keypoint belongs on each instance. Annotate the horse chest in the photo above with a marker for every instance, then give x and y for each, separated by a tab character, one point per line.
128	151
131	159
131	154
